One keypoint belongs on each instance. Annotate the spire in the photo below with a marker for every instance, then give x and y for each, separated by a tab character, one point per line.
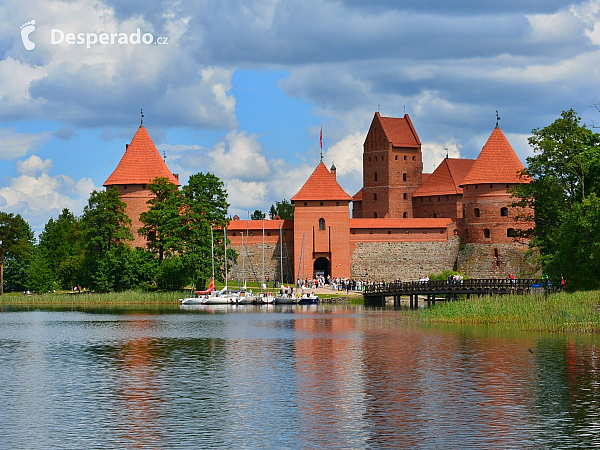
321	142
497	119
142	120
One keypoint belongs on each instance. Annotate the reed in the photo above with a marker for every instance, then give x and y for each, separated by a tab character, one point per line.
561	312
91	298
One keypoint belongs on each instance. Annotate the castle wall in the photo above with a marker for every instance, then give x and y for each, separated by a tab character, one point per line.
407	261
249	262
136	197
496	261
438	206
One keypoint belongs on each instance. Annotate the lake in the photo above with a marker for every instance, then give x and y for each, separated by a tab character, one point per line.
297	377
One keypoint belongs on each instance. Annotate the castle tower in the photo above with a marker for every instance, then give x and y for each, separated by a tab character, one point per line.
322	227
487	216
138	167
392	169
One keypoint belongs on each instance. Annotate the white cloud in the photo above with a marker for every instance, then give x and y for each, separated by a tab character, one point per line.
34	166
435	152
239	156
15	145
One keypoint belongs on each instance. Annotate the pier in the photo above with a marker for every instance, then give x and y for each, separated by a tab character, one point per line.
375	295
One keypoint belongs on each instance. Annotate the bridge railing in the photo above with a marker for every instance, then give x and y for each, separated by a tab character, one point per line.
498	284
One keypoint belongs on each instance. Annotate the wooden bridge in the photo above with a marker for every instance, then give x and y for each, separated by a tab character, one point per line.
376	294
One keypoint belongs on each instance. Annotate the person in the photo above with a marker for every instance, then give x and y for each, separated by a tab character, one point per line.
512	278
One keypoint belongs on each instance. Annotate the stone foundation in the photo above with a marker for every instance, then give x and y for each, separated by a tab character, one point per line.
254	260
496	261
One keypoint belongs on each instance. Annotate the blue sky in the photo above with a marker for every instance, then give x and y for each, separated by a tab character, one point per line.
242	88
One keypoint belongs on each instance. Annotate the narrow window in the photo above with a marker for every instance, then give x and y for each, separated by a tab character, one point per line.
504	212
337	203
376	158
404	157
268	233
375	197
439	199
476	211
305	204
496	253
321	203
486	233
403	177
375	216
413	158
405	196
234	233
321	224
491	186
375	176
434	215
383	158
396	158
389	232
405	215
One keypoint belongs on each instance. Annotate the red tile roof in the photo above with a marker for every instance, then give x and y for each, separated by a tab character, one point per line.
438	222
358	196
399	131
141	163
321	186
497	163
446	178
254	225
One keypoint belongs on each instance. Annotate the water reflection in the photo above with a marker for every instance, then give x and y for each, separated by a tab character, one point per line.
289	377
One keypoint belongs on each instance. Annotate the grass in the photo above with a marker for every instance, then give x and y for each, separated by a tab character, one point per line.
94	299
561	312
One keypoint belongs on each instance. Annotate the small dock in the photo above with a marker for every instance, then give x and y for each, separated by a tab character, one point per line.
375	295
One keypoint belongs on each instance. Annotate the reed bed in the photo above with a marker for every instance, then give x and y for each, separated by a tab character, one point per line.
95	299
561	312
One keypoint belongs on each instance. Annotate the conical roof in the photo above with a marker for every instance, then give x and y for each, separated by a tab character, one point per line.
446	178
497	163
141	163
321	186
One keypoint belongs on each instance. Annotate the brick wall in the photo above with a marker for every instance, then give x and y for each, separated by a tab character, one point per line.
496	261
136	197
440	205
406	261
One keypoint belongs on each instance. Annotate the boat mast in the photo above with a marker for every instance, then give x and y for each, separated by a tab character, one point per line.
212	252
281	249
243	260
225	243
263	250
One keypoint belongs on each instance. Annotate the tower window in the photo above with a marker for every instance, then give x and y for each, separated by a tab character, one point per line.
389	232
375	215
321	224
476	211
413	158
434	215
396	158
404	157
383	158
375	197
405	196
486	233
511	233
491	186
403	177
376	158
337	203
504	212
305	204
321	203
375	176
405	215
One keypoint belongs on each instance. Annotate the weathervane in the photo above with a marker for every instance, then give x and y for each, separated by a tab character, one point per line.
165	156
497	119
142	121
446	148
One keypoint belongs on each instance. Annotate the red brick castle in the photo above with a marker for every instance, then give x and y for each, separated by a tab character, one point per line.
405	223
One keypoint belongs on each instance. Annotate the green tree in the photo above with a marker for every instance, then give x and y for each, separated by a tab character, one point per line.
206	207
284	209
564	171
163	222
106	231
16	245
40	278
61	240
258	215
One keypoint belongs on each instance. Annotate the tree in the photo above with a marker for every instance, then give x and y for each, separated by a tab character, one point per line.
163	222
39	276
60	241
206	207
565	172
16	245
106	231
258	215
283	209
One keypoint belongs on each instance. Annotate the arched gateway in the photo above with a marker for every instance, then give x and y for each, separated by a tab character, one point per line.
321	267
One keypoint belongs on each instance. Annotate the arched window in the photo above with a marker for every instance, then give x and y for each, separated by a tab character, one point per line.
476	211
486	233
504	212
321	224
396	158
403	177
405	215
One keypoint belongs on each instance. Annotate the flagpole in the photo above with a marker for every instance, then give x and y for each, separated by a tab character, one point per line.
321	142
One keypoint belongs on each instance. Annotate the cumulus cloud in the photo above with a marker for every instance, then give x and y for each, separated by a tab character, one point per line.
65	134
34	166
15	145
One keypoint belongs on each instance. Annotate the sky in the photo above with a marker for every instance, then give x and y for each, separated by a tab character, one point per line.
241	88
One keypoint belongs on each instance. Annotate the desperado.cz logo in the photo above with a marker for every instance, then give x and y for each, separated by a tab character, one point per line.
58	36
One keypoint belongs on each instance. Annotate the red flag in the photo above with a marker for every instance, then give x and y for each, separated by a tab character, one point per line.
321	137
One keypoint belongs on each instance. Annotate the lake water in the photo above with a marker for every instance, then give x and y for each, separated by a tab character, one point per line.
312	377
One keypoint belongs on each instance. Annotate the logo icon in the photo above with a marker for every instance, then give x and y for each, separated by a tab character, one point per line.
26	30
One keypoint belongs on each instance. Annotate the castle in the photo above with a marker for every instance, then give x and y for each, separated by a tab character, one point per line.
405	223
